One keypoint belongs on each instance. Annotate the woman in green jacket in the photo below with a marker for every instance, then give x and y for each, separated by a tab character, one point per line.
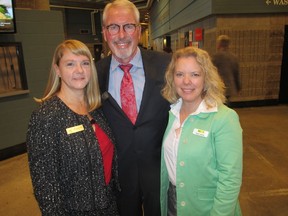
201	165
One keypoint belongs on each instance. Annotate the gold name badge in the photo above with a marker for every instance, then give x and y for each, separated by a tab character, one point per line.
74	129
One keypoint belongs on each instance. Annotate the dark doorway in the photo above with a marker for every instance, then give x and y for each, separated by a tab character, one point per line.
167	44
283	92
97	51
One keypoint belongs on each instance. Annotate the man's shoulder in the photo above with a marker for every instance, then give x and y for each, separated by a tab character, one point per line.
155	56
155	53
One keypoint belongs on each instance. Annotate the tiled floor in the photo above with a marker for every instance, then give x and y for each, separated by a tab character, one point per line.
265	177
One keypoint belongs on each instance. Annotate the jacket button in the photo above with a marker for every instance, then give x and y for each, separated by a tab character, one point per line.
182	163
181	184
183	203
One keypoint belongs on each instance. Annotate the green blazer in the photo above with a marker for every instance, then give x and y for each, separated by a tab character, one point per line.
209	165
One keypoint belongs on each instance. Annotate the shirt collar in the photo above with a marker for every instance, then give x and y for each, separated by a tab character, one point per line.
202	108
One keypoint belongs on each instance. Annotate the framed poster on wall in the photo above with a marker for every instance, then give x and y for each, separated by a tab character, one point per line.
12	70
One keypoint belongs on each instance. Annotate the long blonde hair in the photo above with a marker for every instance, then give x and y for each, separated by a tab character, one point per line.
92	92
214	87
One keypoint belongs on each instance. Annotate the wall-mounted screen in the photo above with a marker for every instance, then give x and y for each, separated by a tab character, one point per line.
7	16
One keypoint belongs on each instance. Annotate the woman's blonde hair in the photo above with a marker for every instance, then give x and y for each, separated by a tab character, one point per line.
92	92
213	92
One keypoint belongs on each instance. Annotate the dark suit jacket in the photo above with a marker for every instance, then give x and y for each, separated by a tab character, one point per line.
139	145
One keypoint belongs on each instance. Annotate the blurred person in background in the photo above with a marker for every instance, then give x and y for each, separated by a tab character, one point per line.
228	66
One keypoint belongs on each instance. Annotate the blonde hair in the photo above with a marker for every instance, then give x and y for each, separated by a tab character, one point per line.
92	92
121	4
214	88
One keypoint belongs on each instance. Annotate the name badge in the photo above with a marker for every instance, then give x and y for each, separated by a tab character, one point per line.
200	132
74	129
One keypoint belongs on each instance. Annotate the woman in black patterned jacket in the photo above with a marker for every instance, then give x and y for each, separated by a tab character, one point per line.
71	149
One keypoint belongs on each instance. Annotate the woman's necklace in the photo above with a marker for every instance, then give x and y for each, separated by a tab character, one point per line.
77	106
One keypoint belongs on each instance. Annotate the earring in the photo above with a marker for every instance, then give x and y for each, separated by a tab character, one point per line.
203	93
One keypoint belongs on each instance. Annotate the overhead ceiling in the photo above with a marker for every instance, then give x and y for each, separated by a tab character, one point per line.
142	5
97	4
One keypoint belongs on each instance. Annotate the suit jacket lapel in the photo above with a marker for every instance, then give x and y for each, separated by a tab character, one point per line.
104	83
149	82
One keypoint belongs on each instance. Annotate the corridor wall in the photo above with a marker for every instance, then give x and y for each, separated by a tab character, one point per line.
40	32
256	29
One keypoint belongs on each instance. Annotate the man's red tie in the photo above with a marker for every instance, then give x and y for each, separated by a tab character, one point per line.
127	93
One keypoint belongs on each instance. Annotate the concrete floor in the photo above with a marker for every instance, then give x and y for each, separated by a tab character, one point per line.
265	177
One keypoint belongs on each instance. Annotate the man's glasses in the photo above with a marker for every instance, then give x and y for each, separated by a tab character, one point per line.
114	29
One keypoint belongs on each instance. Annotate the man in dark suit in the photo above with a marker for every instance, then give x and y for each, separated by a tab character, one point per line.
138	143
